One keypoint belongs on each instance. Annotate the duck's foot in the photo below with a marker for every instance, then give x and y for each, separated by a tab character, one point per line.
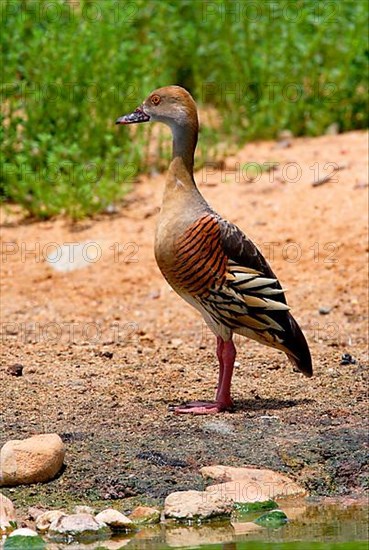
203	407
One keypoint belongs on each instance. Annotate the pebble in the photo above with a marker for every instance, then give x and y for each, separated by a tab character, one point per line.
15	370
347	359
325	310
106	354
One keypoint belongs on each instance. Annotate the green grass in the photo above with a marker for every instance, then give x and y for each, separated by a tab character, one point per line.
70	69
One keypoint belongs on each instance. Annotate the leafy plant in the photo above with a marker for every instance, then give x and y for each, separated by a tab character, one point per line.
71	68
21	542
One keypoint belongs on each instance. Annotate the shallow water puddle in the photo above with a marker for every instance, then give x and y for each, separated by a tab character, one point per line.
312	526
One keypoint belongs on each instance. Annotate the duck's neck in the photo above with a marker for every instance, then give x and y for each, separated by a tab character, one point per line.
184	145
181	193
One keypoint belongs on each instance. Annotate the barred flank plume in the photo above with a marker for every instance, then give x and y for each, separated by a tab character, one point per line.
234	287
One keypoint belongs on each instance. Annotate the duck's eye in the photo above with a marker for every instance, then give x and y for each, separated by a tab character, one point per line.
155	100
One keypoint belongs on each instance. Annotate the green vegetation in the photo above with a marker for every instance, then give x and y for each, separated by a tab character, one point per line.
71	68
244	508
273	519
21	542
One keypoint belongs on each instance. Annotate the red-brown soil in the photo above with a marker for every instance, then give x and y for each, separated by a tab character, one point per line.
108	348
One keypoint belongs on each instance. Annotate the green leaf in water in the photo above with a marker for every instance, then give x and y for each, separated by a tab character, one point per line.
273	519
21	542
246	507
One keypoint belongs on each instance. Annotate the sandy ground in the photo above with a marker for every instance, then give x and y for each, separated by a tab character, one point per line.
107	348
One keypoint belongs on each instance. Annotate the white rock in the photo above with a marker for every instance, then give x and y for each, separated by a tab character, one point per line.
198	505
72	256
44	521
250	484
33	460
78	526
23	532
116	520
7	513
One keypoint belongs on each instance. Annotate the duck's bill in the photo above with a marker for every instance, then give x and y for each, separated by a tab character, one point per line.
137	116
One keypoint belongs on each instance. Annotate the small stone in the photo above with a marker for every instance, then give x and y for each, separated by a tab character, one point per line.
15	370
33	460
196	505
347	359
145	515
82	527
106	354
23	532
176	342
111	209
115	520
44	521
7	514
325	310
154	295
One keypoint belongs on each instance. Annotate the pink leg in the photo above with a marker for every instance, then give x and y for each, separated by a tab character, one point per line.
226	353
220	348
224	388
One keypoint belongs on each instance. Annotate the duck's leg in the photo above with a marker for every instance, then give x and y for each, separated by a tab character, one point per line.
226	353
226	364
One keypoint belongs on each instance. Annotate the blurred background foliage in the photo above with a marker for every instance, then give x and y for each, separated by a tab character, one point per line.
71	67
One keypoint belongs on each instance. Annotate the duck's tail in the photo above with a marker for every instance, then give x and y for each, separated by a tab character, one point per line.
298	349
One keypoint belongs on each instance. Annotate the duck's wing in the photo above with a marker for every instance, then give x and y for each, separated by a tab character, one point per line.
251	301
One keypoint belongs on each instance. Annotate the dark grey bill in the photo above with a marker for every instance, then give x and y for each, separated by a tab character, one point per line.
137	116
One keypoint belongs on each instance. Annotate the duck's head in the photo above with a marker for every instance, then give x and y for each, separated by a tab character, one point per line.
171	105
